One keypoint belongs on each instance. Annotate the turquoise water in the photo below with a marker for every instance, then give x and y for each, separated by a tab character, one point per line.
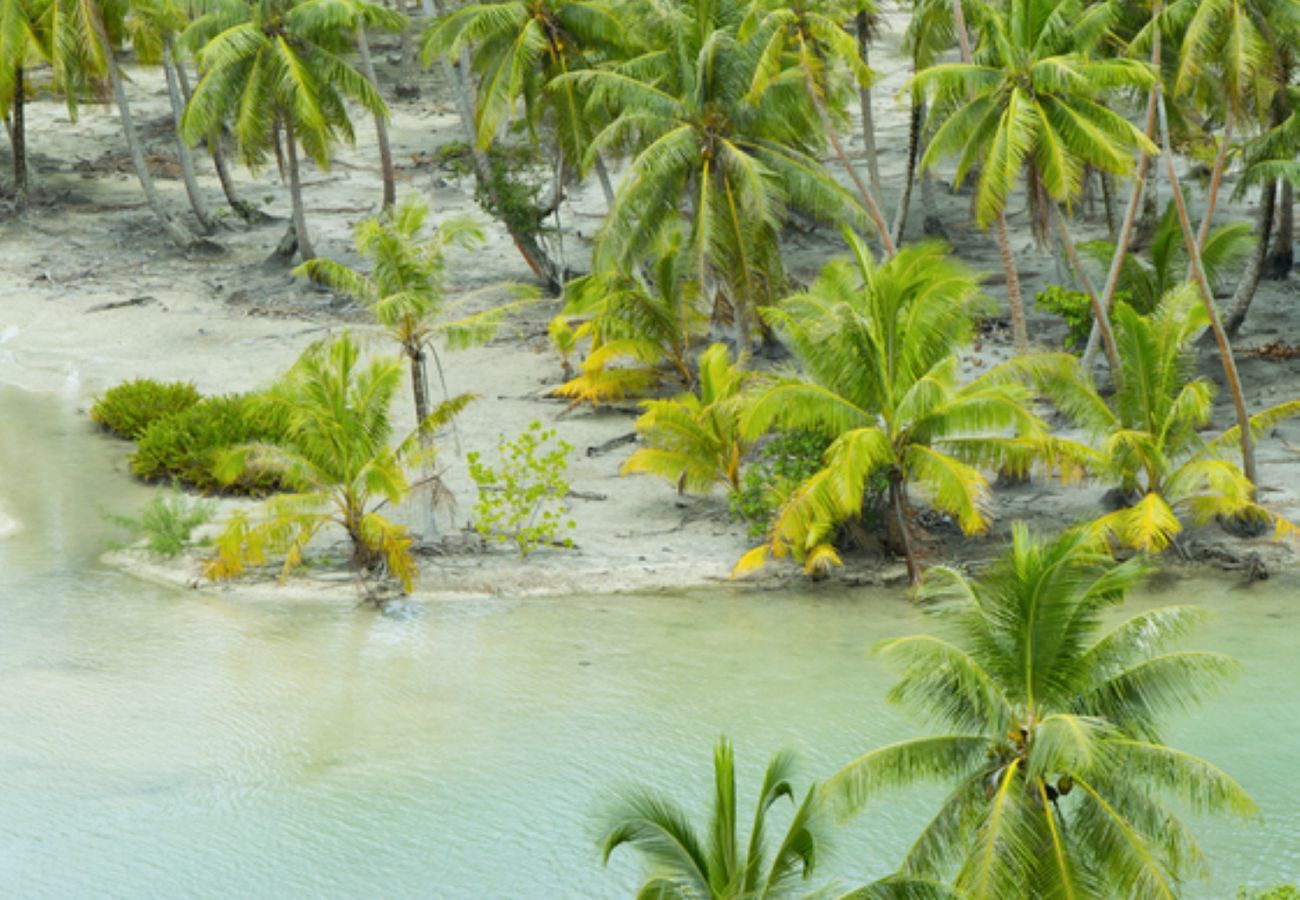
166	743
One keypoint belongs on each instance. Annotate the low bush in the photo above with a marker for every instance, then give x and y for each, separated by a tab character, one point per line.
521	499
782	465
167	522
130	408
1076	309
186	447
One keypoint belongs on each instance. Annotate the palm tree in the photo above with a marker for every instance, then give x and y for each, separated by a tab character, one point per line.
814	34
640	332
360	17
272	65
878	343
694	440
406	288
519	47
340	467
1151	446
1057	772
1030	102
682	865
19	48
738	163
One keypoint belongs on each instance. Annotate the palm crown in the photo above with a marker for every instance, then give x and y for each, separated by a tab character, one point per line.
1057	771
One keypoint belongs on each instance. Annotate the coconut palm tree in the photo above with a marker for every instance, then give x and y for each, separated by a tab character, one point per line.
1058	777
1151	447
19	48
272	66
340	466
360	17
722	865
879	345
694	440
812	33
519	46
1031	104
738	164
406	288
640	332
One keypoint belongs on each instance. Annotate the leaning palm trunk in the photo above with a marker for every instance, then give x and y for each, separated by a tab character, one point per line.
381	127
1019	328
1282	258
295	193
18	140
863	23
180	235
200	208
868	201
1216	180
1130	212
1249	283
457	75
243	208
898	505
1216	324
917	120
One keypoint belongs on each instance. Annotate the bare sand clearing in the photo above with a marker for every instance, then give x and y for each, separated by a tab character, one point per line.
232	323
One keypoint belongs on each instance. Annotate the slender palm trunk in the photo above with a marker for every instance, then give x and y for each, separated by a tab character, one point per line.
916	122
381	125
243	208
602	175
1216	179
295	193
420	388
1100	316
180	235
1130	213
959	26
1282	259
1249	282
1216	324
1108	202
863	23
868	201
1019	328
463	96
197	204
18	140
899	506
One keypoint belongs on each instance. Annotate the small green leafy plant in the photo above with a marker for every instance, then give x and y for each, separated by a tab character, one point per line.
782	465
187	446
521	499
1277	892
167	522
1076	309
130	408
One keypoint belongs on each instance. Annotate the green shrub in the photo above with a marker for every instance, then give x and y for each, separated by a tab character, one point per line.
1277	892
521	499
186	447
130	408
167	521
782	465
1075	308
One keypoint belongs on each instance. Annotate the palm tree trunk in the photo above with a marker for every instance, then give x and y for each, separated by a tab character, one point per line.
457	75
863	23
18	140
1100	316
182	149
602	175
295	193
381	126
180	235
1282	259
1019	328
1216	179
868	201
899	506
916	122
959	26
1108	202
1249	283
1216	324
420	389
1130	214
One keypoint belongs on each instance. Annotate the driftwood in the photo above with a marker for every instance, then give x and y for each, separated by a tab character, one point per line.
612	444
121	304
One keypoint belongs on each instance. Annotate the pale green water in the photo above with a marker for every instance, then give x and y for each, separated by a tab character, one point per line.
160	743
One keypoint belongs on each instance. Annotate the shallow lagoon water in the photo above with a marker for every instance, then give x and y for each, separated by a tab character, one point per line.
165	743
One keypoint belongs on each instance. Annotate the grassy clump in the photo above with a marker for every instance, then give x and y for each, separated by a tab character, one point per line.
130	408
187	447
167	522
